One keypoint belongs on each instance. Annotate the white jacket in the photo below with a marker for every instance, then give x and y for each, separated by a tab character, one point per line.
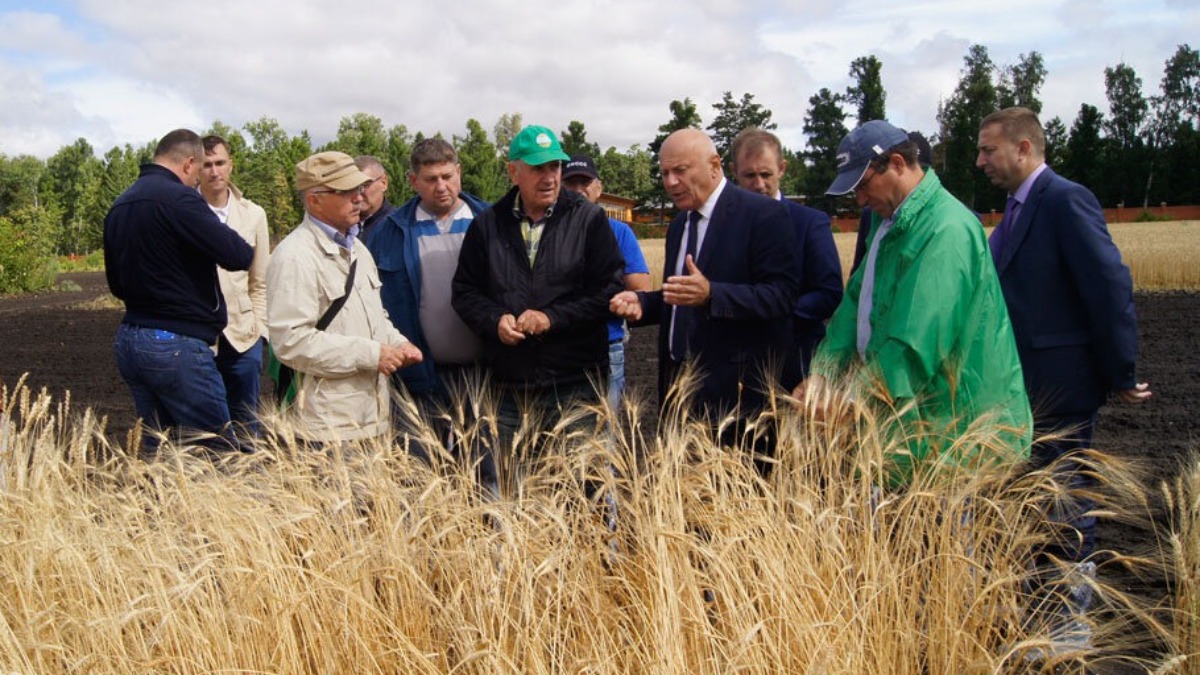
246	292
342	396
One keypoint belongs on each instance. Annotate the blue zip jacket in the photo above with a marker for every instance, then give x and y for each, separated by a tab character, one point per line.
396	252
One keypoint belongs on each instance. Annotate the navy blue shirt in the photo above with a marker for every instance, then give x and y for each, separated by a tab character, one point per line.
161	247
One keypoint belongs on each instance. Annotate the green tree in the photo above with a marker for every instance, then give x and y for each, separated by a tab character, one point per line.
959	118
627	173
795	180
360	134
1019	84
483	173
268	172
1056	142
734	116
27	244
1125	161
19	180
506	129
1081	158
118	171
396	160
867	95
71	179
575	142
1173	131
825	126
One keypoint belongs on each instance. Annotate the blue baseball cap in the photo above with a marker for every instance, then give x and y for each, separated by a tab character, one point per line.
858	148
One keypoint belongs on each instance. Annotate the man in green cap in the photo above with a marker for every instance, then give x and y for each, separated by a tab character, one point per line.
534	277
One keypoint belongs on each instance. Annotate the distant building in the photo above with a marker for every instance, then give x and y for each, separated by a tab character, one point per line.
617	207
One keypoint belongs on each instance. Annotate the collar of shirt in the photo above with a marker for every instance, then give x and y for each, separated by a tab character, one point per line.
345	241
520	215
706	210
221	211
1022	192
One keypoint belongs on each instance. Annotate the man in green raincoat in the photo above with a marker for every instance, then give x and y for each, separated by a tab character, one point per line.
923	326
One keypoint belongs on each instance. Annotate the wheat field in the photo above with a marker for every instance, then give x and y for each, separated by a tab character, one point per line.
359	559
1160	255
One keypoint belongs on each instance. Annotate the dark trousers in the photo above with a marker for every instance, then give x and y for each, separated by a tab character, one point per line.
242	374
1078	532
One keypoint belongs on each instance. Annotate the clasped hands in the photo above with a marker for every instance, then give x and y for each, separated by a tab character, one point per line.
512	330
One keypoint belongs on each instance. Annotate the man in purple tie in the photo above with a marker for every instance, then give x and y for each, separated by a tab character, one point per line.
1070	299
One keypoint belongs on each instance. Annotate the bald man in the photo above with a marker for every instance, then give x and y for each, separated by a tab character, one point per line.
731	279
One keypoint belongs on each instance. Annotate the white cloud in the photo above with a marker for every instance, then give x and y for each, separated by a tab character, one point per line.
121	71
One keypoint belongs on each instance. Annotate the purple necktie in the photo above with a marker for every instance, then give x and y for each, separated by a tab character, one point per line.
1000	234
681	321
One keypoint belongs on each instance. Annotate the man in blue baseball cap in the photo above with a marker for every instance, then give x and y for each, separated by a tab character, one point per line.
923	326
534	277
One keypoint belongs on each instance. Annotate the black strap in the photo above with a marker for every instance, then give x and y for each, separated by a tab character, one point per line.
327	317
286	373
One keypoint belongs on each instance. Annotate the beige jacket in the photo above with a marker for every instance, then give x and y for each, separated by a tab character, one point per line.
342	395
246	292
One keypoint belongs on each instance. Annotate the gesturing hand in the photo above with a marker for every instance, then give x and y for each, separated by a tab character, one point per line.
687	290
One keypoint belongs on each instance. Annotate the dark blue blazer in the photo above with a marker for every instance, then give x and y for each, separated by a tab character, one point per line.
750	259
820	287
1070	299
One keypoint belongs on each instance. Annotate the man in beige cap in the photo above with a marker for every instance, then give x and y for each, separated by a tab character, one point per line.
342	350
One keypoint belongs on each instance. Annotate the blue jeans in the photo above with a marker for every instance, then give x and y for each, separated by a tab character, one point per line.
616	373
175	383
242	374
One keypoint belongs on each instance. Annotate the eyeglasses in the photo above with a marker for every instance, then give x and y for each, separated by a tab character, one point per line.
862	184
343	193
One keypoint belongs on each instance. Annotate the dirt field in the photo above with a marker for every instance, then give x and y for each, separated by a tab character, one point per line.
66	347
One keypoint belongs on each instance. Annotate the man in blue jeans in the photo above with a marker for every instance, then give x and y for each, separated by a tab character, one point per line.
162	245
579	175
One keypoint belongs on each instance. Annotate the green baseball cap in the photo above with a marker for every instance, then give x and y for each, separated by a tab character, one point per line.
535	146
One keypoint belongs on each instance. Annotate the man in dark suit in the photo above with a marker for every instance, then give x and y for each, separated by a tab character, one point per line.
758	166
1070	299
731	279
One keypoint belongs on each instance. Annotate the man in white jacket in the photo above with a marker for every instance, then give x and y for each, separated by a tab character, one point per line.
344	368
240	348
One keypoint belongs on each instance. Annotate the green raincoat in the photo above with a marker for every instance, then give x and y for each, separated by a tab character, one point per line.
941	345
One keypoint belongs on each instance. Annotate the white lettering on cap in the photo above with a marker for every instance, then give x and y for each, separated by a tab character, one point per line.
843	159
878	150
543	140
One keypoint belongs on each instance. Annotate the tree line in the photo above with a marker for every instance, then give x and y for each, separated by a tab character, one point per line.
1142	152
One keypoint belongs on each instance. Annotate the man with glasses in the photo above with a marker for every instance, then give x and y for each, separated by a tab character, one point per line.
922	327
375	206
343	367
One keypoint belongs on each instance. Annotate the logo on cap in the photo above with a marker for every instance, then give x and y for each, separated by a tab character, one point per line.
843	159
543	140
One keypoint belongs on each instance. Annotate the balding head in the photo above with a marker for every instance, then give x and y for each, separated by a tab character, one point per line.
691	168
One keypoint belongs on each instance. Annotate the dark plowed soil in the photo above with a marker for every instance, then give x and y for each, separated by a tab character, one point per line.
66	346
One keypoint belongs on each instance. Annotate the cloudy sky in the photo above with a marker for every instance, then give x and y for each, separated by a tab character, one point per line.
118	71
